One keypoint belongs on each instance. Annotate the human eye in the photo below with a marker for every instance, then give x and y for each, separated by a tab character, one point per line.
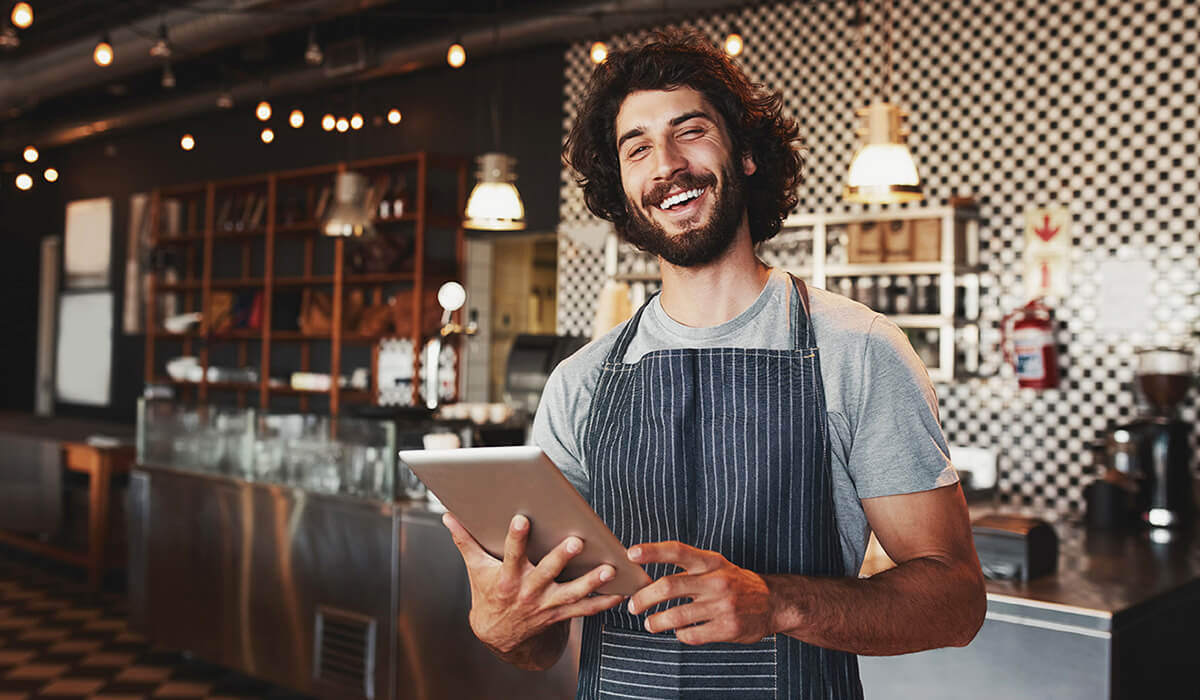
637	151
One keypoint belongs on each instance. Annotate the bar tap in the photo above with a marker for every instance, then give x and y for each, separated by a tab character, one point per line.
451	296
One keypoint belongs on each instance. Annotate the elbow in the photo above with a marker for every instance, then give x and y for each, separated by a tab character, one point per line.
974	607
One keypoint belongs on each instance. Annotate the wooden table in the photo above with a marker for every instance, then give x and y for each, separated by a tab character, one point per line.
101	464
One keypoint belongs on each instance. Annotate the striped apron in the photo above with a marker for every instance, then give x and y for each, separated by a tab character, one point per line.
725	449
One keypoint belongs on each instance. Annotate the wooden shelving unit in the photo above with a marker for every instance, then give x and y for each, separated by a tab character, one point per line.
250	218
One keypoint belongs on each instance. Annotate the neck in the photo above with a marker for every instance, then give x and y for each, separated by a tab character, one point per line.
711	294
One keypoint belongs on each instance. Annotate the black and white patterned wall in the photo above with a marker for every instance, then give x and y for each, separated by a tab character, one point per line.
1088	105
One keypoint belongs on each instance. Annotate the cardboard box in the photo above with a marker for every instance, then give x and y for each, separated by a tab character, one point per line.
927	240
865	242
897	241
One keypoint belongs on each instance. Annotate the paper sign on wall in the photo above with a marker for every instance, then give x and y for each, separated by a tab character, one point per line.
1047	252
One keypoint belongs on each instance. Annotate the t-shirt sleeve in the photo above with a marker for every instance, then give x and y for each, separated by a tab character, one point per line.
897	444
555	426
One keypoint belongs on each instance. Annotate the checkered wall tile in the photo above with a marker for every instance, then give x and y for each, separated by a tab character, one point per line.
1090	105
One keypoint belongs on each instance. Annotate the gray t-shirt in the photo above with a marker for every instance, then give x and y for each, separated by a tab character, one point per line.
885	438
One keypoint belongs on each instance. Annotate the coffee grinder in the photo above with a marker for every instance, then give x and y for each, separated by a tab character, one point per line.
1162	461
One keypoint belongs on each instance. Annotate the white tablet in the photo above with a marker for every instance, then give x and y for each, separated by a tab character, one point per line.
484	487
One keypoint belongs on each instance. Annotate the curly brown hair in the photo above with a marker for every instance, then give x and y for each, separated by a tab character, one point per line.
752	114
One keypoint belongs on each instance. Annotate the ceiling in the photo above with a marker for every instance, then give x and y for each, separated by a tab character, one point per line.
50	90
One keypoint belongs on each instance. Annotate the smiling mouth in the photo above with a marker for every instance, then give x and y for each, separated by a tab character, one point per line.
681	200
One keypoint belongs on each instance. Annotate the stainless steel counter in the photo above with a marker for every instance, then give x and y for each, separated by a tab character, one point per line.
330	595
1118	620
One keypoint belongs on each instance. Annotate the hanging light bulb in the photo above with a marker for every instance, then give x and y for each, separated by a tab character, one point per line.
599	52
495	204
393	116
225	100
734	44
168	76
9	38
162	46
188	142
883	170
296	119
30	154
24	181
51	175
456	55
328	122
356	121
267	135
343	125
313	55
22	15
349	215
263	111
103	54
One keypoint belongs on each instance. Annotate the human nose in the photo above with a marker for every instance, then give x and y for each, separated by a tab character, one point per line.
669	160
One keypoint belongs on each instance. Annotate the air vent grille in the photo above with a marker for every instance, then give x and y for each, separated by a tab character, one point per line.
345	651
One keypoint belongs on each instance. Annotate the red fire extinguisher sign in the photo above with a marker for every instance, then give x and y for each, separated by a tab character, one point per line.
1028	342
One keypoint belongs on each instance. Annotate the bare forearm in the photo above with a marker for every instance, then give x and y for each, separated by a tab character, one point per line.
539	652
922	604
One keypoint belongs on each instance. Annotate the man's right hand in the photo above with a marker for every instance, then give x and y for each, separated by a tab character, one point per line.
513	602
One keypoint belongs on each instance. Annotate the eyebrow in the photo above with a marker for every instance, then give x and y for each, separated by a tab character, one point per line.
638	131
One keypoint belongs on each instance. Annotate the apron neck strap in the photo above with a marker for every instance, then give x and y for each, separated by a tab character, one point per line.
802	335
618	351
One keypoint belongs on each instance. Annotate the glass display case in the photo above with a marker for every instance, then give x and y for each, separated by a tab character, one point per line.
346	456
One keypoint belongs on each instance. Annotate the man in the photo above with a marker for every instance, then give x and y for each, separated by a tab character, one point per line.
742	433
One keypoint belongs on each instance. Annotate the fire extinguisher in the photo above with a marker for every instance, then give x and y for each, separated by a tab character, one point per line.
1027	336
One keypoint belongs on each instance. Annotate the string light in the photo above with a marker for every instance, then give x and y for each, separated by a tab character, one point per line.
328	122
168	76
225	100
162	46
734	44
187	143
31	154
263	111
24	182
456	55
393	116
103	55
22	15
356	121
267	135
313	55
51	175
343	125
296	119
599	52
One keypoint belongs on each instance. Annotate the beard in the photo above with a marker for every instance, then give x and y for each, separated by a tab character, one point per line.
696	244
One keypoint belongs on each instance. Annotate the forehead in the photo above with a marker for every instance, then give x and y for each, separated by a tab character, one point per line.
651	109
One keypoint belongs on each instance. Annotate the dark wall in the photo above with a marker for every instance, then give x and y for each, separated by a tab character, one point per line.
445	111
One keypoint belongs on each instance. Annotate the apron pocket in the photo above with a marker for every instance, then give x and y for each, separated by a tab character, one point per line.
643	665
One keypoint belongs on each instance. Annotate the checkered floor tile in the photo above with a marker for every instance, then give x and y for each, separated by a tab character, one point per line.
59	640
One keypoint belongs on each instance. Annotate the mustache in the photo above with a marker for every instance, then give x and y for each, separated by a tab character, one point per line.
683	181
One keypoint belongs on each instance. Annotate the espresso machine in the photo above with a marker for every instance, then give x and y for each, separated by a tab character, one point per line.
1161	457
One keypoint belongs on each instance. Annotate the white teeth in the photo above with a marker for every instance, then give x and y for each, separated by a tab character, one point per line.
681	197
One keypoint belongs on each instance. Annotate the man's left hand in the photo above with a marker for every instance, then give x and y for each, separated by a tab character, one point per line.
728	603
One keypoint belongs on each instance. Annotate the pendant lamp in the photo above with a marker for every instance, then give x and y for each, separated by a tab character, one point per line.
348	216
495	204
883	170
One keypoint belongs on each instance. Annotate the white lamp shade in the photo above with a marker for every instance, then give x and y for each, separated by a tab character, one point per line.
883	170
495	206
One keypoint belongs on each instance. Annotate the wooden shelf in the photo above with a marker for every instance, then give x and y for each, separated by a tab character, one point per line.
289	192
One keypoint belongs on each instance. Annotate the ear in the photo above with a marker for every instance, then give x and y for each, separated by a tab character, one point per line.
748	165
